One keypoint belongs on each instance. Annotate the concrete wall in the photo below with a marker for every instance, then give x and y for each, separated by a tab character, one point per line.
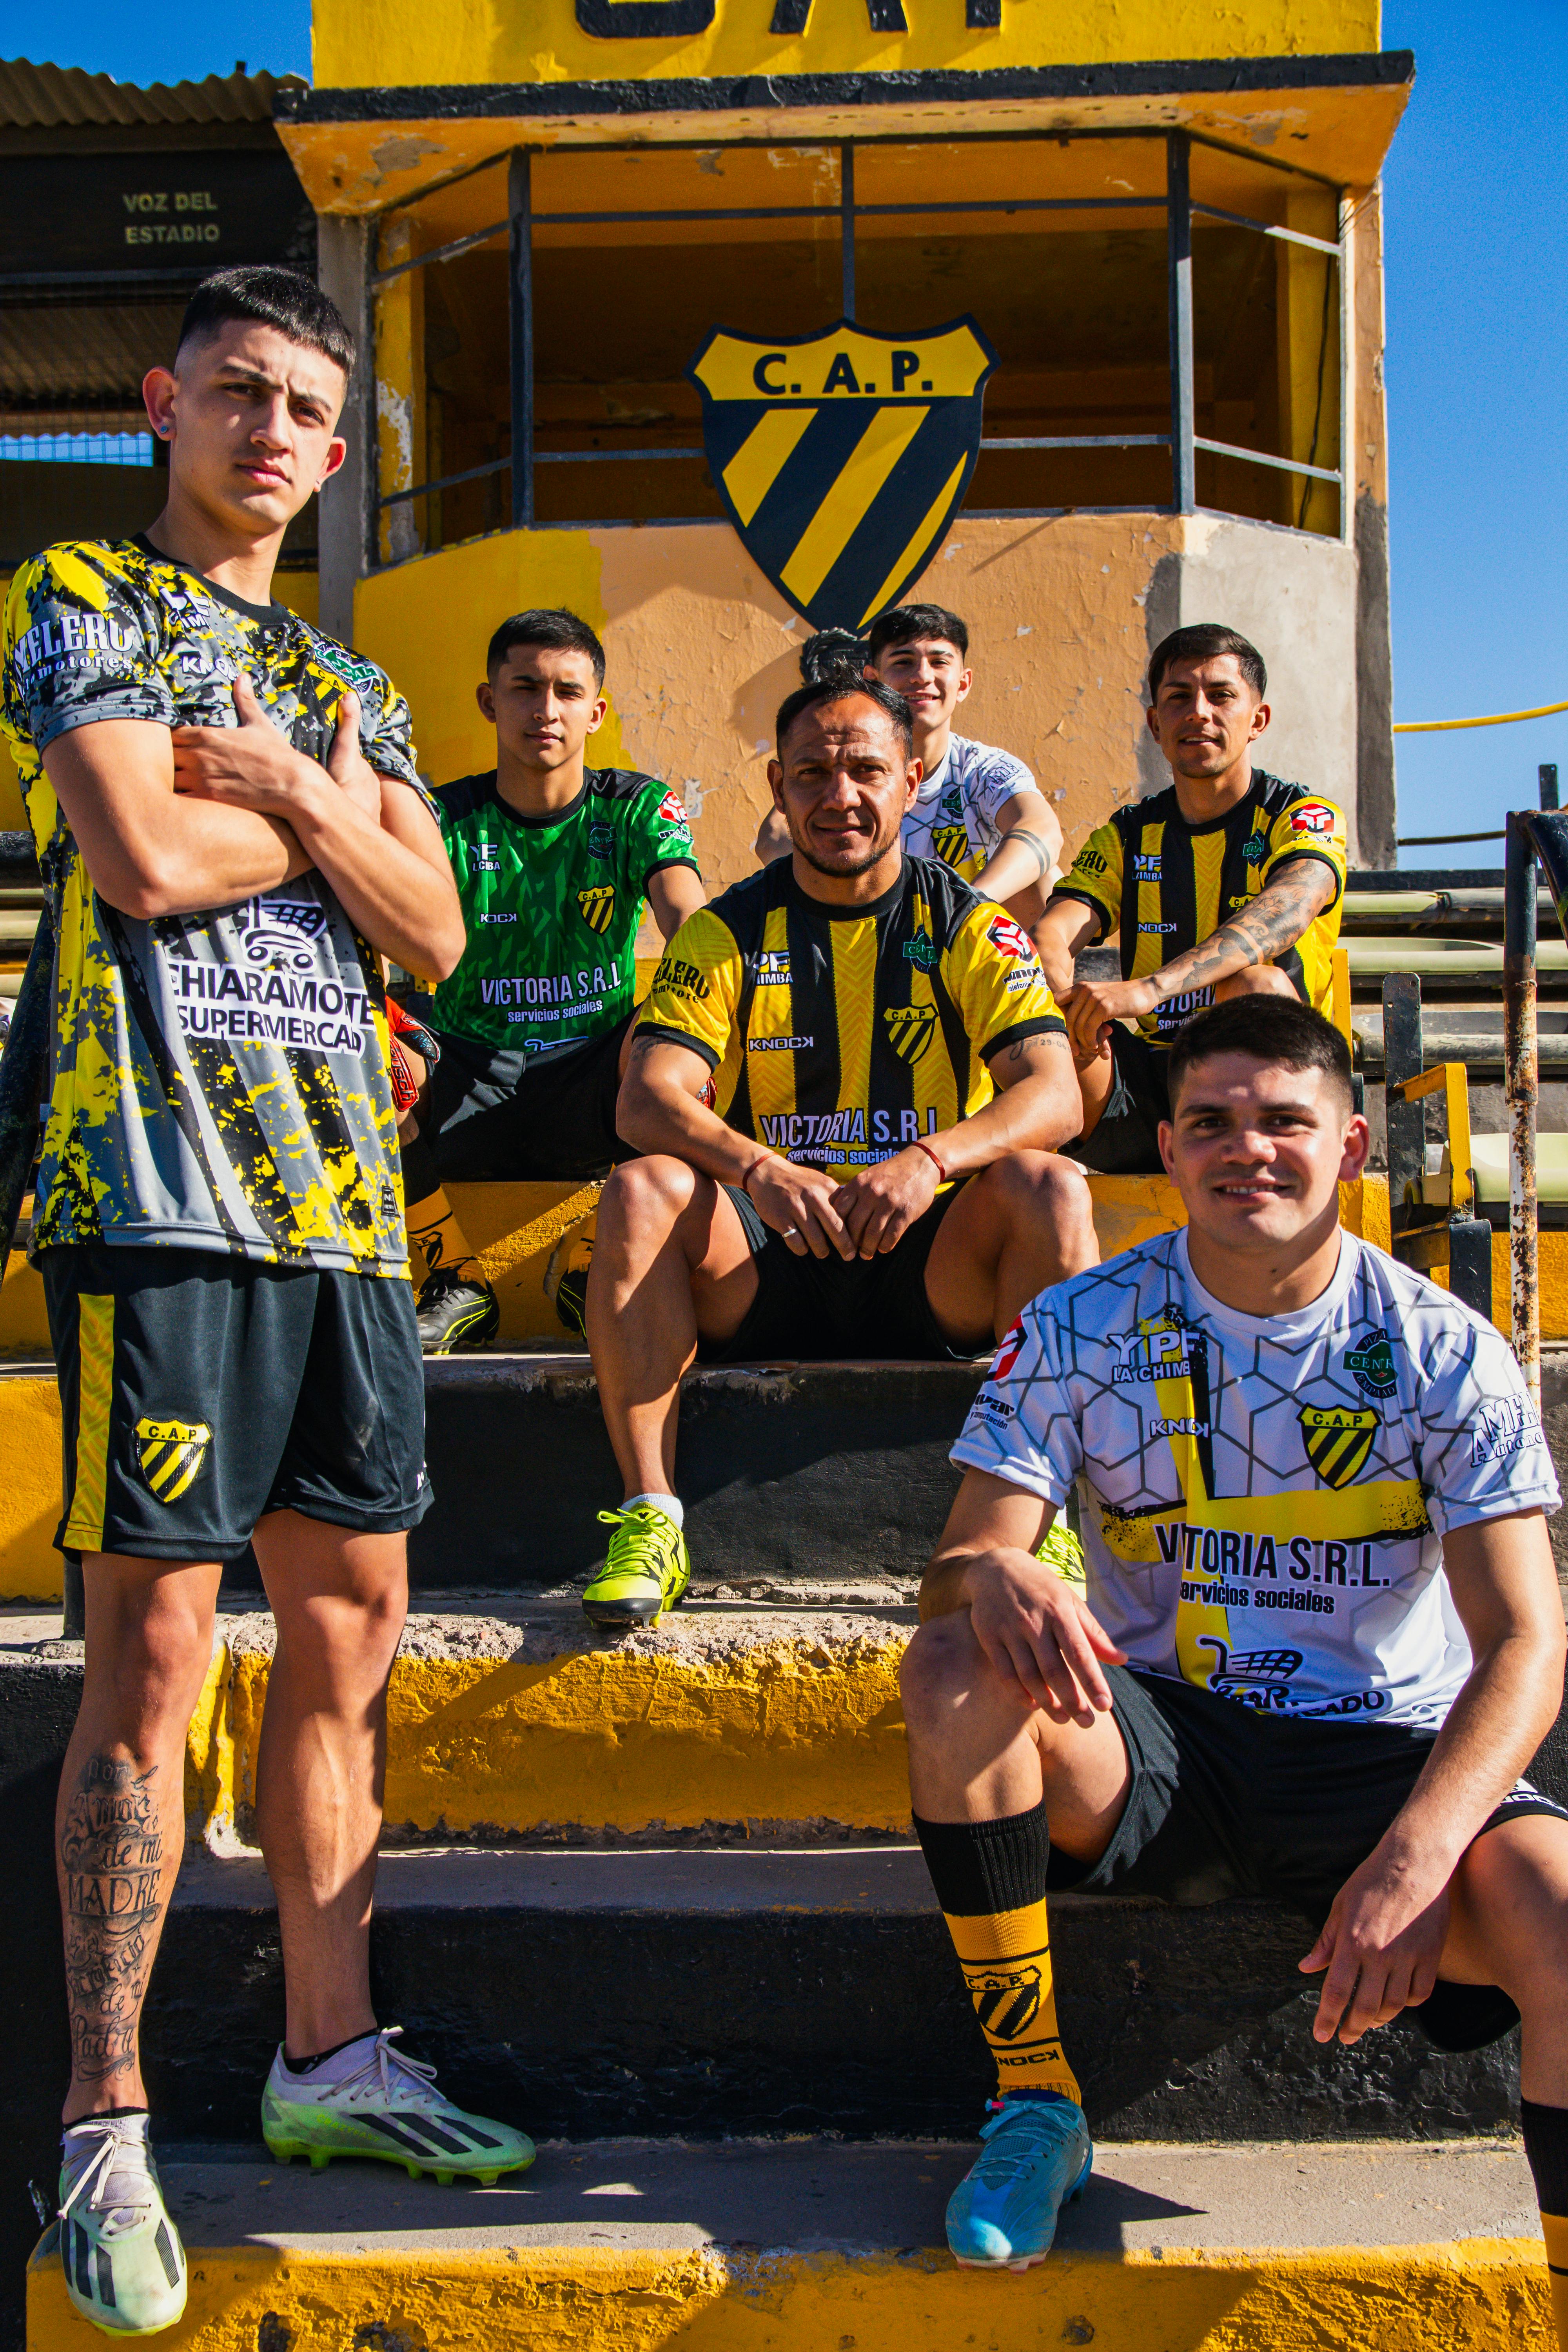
1062	612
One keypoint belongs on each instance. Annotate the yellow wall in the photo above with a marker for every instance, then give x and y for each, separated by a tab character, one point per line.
360	42
702	650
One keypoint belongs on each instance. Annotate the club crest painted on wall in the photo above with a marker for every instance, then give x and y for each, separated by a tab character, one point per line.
842	458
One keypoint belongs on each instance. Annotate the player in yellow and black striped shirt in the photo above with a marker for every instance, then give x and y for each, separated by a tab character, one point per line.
877	1176
1226	884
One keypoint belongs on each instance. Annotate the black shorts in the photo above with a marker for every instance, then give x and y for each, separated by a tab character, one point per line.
492	1112
1127	1140
1225	1801
839	1310
200	1392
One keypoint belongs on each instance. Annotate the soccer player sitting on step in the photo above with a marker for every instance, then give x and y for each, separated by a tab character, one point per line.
1227	884
879	1177
553	861
978	809
1321	1637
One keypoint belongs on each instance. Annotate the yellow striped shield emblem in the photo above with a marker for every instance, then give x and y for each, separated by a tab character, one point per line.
843	458
950	843
170	1453
1006	2000
1338	1441
598	906
910	1028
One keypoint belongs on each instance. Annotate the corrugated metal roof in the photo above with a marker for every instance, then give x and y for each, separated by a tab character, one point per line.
46	97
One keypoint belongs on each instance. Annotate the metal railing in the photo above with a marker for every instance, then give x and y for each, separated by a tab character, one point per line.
1177	203
1536	838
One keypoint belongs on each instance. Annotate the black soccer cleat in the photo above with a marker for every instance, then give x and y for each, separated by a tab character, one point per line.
455	1312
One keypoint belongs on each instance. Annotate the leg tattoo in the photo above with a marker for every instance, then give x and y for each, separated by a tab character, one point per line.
111	1857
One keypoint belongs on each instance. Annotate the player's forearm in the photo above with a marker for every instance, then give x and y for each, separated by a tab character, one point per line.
404	904
1038	1112
1026	857
1267	928
1066	927
204	856
664	1117
1491	1732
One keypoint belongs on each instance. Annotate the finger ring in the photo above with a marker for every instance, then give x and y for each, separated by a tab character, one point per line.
790	1234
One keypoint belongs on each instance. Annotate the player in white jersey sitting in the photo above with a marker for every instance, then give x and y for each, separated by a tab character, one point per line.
1321	1637
978	809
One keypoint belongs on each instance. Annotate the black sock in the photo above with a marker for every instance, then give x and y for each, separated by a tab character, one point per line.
1546	2146
318	2057
990	1879
421	1177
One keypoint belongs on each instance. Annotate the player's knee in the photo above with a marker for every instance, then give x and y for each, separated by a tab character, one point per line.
942	1667
1257	980
1515	1885
648	1197
157	1662
1032	1185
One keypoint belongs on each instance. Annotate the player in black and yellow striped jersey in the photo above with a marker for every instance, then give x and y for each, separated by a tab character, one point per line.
877	1176
1226	884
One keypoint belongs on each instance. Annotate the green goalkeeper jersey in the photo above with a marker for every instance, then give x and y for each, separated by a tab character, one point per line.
552	905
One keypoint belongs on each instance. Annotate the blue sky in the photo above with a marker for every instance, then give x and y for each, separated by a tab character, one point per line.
1478	365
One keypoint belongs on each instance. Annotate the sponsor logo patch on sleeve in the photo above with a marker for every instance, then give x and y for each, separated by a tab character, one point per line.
1313	817
1008	938
672	809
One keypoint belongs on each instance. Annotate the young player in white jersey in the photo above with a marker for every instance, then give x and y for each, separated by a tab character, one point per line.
978	808
1321	1637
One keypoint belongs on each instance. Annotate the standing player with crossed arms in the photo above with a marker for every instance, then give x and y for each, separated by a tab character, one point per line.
231	832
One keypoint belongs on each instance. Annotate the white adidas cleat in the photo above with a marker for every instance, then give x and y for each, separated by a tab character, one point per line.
125	2265
378	2102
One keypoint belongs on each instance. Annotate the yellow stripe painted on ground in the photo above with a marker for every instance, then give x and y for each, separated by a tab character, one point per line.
759	461
95	1358
833	526
1487	2295
925	530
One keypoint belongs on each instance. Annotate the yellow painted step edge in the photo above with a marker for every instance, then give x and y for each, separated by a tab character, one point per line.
784	1732
1487	2295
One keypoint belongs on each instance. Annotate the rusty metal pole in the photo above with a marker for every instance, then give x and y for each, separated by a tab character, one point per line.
1521	1079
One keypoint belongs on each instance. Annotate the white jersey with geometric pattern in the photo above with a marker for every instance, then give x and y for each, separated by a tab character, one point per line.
1264	1498
955	809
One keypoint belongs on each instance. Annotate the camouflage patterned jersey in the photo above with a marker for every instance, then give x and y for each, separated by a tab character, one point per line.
219	1080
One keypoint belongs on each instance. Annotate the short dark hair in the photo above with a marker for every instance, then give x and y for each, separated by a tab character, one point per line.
283	299
1205	641
561	631
1276	1029
905	622
832	653
842	686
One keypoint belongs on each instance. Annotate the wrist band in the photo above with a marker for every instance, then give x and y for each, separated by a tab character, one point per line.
760	1162
934	1160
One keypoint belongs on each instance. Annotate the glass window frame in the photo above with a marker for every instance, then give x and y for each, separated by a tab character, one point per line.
1182	439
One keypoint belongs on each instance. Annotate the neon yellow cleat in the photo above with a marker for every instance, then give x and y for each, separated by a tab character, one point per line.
387	2107
647	1569
1062	1550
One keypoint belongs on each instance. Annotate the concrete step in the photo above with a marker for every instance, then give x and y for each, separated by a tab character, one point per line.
827	2246
783	1991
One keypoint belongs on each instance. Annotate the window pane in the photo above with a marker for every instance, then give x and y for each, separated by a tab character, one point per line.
1073	302
621	308
443	388
1266	335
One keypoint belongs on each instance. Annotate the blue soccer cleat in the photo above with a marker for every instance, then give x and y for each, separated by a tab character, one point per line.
1003	2214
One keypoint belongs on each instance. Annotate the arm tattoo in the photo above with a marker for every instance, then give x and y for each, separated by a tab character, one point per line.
1031	841
1274	921
111	1861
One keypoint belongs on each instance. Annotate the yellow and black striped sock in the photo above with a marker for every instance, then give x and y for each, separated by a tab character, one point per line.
990	1879
1546	2146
